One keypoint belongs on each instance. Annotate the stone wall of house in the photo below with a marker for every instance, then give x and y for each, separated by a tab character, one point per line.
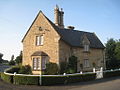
95	56
50	43
64	51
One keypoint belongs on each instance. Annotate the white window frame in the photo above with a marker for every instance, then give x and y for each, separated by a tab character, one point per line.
86	47
37	63
39	40
86	63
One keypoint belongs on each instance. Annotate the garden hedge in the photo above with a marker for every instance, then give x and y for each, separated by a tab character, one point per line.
26	80
52	80
47	80
81	77
7	78
111	74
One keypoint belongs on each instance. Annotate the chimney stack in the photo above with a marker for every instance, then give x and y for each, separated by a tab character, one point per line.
59	17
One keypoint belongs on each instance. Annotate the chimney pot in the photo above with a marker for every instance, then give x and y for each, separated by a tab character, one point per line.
71	27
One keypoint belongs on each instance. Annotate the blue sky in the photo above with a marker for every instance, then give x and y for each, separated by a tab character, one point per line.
16	16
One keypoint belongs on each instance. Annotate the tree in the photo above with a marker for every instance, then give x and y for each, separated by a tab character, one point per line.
117	51
1	55
72	65
110	49
12	62
19	58
12	57
51	69
112	54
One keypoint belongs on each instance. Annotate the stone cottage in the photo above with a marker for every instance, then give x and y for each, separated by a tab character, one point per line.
46	41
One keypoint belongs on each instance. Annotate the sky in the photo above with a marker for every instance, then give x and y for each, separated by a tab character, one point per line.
16	16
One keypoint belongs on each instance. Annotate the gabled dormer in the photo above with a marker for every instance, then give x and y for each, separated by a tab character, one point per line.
86	43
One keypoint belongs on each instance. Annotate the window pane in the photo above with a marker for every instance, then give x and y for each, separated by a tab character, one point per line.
86	63
38	63
43	62
39	40
34	64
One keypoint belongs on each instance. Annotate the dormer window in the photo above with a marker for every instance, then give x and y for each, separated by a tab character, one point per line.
86	47
39	40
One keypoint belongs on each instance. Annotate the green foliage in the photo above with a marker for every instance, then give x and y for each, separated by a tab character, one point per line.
7	78
72	65
13	69
20	69
25	70
51	69
53	80
110	49
111	74
117	51
26	80
63	67
81	77
12	62
112	54
19	58
1	55
47	80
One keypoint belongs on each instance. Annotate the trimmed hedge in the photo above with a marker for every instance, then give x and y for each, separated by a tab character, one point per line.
7	78
26	80
81	77
47	80
111	74
52	80
0	74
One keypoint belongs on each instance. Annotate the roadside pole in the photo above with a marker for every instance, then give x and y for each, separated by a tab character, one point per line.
40	80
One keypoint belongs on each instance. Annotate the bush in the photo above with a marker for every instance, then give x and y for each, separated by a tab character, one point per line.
25	70
81	77
111	74
13	69
72	65
47	80
63	67
51	69
26	80
7	78
20	69
52	80
12	62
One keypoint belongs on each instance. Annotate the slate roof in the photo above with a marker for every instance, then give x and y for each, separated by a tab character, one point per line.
74	37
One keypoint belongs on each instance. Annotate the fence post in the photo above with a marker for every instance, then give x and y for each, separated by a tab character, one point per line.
64	74
80	72
93	70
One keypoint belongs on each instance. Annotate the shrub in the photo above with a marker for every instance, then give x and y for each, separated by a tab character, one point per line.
7	78
20	69
52	80
63	67
25	70
26	80
72	65
81	77
51	69
111	74
12	62
13	69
